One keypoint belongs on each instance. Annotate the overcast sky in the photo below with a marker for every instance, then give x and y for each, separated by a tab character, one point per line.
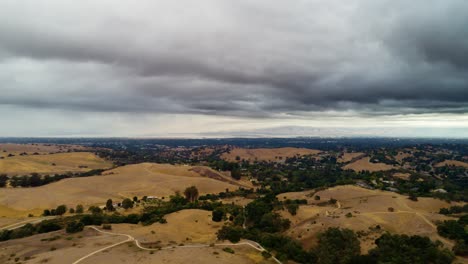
215	67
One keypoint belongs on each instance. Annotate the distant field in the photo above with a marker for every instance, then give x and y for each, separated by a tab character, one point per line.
52	163
16	149
267	154
128	181
365	164
368	208
347	156
452	163
403	176
401	155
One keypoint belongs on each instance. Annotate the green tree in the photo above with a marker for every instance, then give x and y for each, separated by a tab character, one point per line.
74	227
337	245
3	180
79	209
127	203
401	249
236	173
191	193
61	209
231	233
109	205
217	215
292	208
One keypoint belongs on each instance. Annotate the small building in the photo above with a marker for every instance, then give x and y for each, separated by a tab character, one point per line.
439	191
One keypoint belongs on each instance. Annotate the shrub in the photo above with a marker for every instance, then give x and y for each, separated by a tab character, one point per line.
217	215
229	250
74	227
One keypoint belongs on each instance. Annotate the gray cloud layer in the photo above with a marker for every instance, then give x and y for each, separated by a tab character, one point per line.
236	58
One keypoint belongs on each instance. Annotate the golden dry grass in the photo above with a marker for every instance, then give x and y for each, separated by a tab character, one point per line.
44	164
401	155
365	164
128	255
348	156
185	226
16	149
65	252
452	163
369	208
403	176
127	181
267	154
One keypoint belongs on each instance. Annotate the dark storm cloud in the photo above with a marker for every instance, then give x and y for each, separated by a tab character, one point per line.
254	59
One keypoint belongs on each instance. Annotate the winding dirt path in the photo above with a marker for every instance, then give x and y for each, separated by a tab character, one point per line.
130	238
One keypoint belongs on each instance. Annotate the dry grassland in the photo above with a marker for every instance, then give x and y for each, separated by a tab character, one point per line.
452	163
365	164
65	248
128	181
266	154
401	155
347	156
368	208
124	254
184	227
44	164
16	149
403	176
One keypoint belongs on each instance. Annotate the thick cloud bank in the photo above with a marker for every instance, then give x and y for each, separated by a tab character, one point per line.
243	59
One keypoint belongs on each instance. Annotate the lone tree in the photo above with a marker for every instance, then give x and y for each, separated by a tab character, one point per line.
109	205
236	173
191	193
127	203
3	180
217	215
60	210
79	209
